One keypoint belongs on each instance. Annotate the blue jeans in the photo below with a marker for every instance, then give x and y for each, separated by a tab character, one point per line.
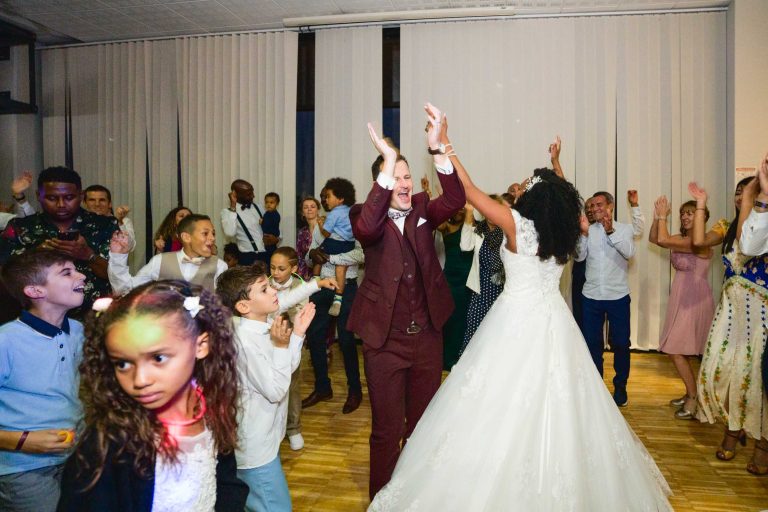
267	488
617	312
36	490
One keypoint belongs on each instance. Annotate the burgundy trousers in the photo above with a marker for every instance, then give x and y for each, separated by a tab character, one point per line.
402	377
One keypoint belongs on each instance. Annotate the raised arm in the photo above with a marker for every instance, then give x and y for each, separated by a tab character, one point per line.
491	210
660	233
748	195
754	234
699	236
554	157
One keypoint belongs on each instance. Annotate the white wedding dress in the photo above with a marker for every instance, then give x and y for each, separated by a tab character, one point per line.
524	421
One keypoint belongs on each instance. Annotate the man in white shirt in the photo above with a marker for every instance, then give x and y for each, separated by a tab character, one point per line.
242	221
194	263
98	199
607	247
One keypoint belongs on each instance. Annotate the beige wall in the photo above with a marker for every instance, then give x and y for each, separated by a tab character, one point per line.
747	84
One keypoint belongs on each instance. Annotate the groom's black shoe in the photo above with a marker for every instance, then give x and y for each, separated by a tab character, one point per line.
353	402
620	396
316	397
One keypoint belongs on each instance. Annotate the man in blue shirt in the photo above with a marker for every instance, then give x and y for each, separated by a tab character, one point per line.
39	357
607	247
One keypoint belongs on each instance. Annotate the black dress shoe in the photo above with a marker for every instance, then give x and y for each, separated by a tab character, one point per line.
352	403
316	397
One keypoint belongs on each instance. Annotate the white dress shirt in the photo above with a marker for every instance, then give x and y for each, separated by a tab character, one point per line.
233	229
754	234
127	228
122	282
21	209
265	375
638	221
607	261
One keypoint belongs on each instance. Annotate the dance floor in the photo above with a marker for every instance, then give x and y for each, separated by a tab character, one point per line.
331	472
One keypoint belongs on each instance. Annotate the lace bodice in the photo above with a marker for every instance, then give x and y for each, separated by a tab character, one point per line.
191	483
526	272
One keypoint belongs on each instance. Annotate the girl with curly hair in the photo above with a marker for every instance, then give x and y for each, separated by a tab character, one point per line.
166	238
159	388
524	406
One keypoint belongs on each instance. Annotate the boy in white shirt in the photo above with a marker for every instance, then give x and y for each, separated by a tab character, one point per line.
267	356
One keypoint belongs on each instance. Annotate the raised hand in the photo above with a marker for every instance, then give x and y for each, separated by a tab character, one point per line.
280	332
120	244
762	175
303	319
381	145
21	183
661	207
121	212
425	186
435	118
632	197
554	149
607	222
232	198
698	193
583	224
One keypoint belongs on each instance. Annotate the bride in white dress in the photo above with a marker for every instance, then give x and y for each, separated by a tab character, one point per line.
524	421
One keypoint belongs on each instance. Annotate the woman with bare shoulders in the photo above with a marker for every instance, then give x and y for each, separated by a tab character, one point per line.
524	421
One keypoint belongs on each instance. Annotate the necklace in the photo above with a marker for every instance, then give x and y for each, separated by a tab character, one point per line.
197	417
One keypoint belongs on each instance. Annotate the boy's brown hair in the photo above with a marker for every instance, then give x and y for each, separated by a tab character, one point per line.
234	284
28	269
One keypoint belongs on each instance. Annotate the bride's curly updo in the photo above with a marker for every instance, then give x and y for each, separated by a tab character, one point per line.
554	206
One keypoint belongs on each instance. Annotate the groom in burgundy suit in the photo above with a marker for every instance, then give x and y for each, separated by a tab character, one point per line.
403	301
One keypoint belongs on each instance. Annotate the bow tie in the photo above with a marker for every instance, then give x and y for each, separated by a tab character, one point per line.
245	206
398	214
195	261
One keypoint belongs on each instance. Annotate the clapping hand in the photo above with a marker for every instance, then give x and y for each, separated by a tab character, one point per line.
698	193
119	244
303	319
661	207
382	146
435	118
280	332
584	224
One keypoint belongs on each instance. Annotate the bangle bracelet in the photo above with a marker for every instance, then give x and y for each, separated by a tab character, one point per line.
761	204
22	439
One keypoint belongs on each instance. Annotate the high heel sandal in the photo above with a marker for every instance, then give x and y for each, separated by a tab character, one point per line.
755	468
678	402
727	455
688	410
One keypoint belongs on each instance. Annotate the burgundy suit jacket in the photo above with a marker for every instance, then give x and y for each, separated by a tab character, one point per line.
371	314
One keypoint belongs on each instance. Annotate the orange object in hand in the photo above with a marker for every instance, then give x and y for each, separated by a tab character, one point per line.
69	435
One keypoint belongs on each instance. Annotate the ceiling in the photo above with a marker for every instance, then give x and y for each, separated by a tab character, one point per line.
74	21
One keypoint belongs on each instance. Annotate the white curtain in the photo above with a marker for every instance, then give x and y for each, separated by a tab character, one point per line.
348	94
237	111
638	100
232	98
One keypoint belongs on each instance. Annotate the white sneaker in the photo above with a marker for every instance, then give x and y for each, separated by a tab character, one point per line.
296	441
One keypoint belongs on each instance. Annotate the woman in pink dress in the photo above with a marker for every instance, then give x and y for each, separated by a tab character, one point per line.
690	307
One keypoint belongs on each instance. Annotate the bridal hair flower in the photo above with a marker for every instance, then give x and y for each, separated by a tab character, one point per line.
101	305
531	182
192	304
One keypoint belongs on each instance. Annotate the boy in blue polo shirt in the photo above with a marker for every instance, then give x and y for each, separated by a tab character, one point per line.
39	356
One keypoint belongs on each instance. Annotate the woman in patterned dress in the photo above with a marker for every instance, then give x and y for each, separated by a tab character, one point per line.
730	384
